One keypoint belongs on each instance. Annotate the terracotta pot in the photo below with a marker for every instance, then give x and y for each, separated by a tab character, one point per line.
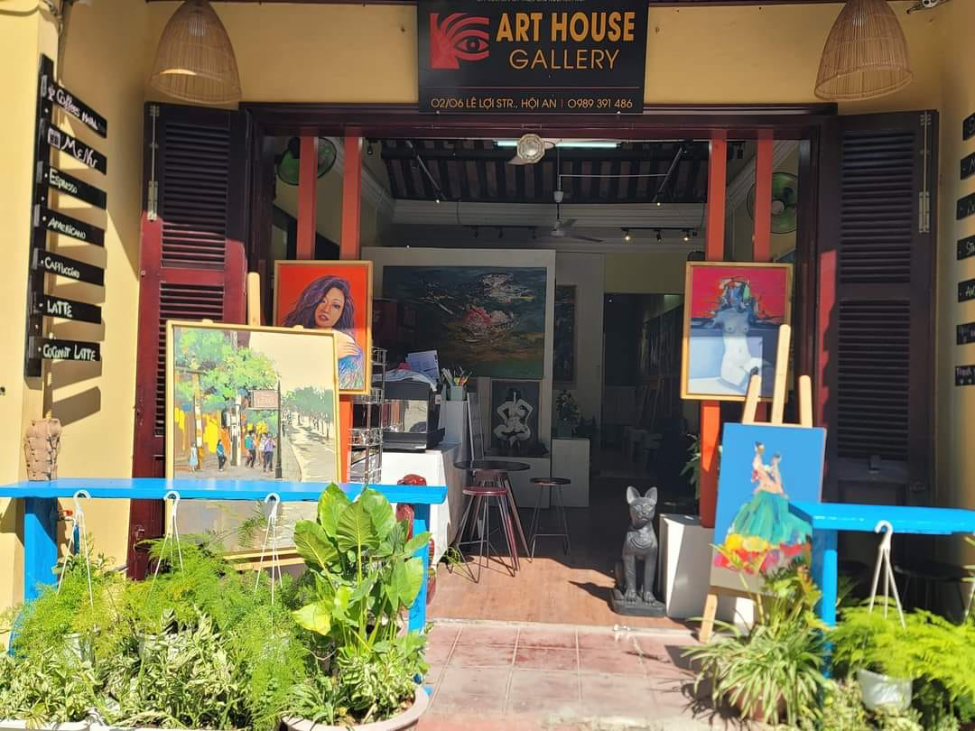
759	713
410	718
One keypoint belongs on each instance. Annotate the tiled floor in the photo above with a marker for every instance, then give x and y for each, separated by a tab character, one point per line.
522	677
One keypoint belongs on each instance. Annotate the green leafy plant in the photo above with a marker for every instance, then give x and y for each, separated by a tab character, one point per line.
775	670
937	654
364	575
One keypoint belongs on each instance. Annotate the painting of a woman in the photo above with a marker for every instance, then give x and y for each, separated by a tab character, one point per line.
333	296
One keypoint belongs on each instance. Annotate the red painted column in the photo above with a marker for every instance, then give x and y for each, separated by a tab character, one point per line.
762	241
307	197
713	251
762	234
350	247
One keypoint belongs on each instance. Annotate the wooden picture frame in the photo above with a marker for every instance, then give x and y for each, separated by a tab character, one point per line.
293	279
738	315
303	347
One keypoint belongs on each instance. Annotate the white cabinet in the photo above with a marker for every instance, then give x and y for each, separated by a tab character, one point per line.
570	459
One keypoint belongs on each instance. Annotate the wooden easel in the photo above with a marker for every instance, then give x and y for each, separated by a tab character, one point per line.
748	417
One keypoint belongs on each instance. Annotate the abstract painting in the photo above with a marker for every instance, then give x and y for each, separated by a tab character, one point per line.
564	342
732	316
762	469
249	404
490	321
335	296
514	417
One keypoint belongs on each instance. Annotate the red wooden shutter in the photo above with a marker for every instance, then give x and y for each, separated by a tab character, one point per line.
875	348
192	264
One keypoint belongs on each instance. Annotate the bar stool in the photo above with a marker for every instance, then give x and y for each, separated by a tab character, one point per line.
554	487
482	497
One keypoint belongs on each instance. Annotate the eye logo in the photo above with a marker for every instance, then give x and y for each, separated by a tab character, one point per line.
459	37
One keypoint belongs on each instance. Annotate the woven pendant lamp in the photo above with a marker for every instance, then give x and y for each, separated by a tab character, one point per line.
195	60
865	55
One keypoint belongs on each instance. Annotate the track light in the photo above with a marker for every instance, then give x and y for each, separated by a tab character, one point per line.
694	233
369	149
500	232
626	235
657	202
437	201
534	234
476	232
687	236
659	237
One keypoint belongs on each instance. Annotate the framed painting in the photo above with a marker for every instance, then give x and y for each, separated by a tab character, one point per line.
564	343
490	321
732	316
249	403
335	296
514	417
762	468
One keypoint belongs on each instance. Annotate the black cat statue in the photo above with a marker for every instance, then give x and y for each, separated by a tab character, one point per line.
640	544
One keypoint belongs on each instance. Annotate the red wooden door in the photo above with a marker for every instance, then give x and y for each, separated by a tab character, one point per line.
192	265
876	306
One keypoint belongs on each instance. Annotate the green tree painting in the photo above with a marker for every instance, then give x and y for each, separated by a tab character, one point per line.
211	361
310	402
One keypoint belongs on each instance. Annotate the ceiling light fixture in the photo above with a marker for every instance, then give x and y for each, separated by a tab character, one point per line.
195	59
531	148
659	237
687	236
578	144
865	55
626	235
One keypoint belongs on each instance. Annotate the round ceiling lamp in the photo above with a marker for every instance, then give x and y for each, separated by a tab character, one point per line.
195	60
531	148
865	55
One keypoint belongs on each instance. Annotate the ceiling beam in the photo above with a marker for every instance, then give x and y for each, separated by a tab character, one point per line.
654	153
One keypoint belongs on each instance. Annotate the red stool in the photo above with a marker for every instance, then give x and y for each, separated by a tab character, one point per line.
477	519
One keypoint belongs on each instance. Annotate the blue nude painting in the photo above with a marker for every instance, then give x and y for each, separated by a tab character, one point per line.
731	327
762	468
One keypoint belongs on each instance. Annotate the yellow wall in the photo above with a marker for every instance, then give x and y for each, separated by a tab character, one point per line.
93	401
352	53
956	406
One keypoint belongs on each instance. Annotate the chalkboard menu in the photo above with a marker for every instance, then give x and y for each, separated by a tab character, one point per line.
966	290
965	375
966	247
46	219
966	333
968	127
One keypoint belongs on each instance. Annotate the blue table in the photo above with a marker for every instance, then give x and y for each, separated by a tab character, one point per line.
40	512
828	519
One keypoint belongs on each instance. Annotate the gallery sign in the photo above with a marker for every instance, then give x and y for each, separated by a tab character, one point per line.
264	399
586	56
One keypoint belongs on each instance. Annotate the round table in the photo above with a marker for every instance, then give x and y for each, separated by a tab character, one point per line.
492	465
502	467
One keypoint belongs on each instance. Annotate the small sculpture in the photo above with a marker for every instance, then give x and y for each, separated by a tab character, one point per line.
42	443
640	544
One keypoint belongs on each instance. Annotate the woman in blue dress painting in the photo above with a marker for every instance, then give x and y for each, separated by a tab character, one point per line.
764	534
327	304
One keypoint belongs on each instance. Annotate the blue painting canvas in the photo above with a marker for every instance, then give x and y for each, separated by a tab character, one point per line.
762	468
490	321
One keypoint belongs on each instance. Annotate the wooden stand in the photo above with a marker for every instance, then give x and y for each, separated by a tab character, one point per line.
748	417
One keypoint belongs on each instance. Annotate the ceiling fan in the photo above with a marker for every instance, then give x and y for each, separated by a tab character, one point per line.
531	148
562	229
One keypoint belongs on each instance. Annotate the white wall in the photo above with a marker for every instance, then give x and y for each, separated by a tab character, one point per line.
382	257
585	271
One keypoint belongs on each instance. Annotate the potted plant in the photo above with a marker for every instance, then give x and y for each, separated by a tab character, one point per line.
772	673
568	413
363	576
926	662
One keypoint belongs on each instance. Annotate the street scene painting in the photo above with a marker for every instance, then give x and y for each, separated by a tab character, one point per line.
564	344
249	404
763	468
335	296
490	321
732	316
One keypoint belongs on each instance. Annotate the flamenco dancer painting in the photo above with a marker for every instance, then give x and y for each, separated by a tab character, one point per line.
764	535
